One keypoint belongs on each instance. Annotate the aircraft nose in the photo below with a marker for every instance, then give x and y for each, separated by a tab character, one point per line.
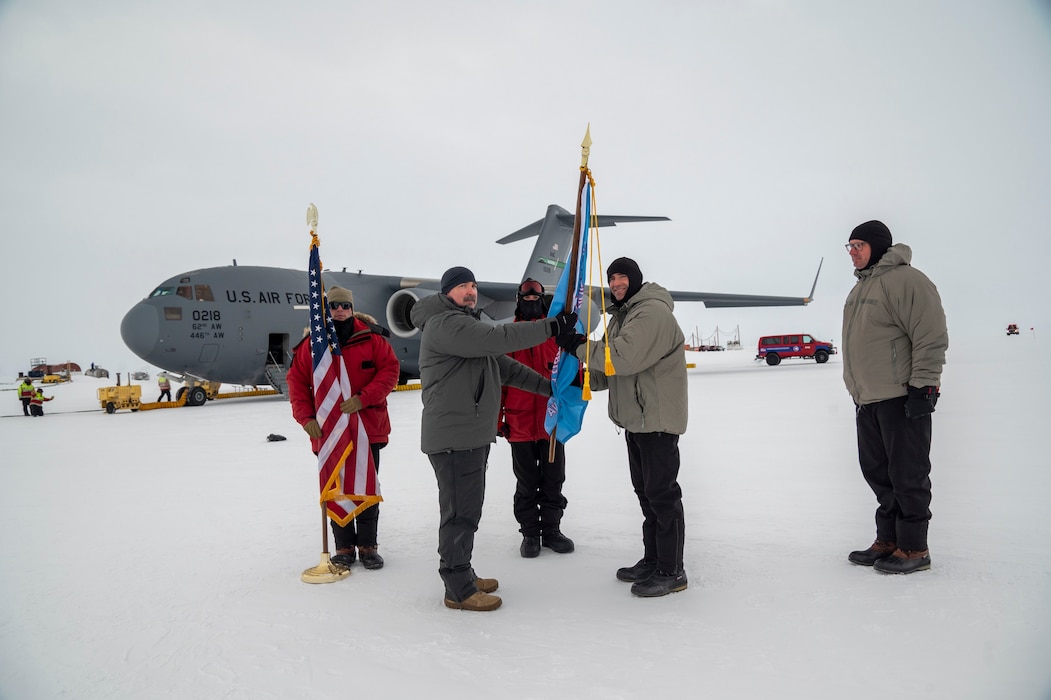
140	330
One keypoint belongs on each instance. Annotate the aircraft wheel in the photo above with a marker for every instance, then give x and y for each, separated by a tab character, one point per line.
197	396
110	408
180	392
821	357
773	359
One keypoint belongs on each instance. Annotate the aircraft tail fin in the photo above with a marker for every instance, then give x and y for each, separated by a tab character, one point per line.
554	235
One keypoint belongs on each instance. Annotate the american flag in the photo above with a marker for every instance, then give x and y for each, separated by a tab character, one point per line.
346	472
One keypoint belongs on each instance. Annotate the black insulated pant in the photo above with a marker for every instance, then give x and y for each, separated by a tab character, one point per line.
894	451
538	501
653	459
461	491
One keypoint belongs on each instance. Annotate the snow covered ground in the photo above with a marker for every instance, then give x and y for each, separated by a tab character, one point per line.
158	554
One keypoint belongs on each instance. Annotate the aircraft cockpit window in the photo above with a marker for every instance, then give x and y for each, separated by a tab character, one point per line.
162	292
186	292
172	313
203	292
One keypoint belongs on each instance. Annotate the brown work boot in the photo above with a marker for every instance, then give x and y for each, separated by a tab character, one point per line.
486	585
904	561
479	602
879	549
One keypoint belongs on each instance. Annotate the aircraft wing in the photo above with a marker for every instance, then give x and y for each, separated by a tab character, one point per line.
726	301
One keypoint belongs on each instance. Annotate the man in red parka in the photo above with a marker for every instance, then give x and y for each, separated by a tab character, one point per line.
538	501
373	368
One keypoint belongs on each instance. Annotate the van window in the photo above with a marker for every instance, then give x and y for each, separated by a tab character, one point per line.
772	340
807	339
792	340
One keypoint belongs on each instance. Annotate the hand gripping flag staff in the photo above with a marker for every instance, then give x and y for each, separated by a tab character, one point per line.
346	472
565	408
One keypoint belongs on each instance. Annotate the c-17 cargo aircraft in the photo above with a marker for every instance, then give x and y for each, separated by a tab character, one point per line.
238	324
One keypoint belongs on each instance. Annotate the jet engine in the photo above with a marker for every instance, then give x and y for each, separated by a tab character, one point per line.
398	308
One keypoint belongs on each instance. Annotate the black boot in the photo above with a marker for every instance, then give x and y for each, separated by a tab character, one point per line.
660	584
530	546
344	558
370	558
876	551
640	572
556	542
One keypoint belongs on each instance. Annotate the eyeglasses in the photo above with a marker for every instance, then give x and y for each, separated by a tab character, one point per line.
855	246
345	305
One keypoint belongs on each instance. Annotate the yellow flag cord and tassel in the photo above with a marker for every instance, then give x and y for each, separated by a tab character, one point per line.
595	252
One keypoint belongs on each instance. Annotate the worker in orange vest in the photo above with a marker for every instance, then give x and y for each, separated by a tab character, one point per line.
36	404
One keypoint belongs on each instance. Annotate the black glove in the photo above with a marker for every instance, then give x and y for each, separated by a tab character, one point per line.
570	342
563	323
921	401
504	431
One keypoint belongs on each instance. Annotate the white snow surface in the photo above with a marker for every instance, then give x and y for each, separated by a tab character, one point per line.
158	554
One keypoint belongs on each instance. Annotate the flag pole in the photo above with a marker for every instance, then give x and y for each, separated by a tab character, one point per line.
571	289
325	571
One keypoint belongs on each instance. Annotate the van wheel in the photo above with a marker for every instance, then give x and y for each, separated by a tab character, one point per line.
773	359
821	357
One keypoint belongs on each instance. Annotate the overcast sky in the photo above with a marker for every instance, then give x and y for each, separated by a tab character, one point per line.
142	140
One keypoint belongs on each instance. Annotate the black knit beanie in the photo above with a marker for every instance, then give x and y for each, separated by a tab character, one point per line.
877	235
454	277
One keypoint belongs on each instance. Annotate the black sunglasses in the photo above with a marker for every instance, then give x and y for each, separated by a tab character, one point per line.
345	305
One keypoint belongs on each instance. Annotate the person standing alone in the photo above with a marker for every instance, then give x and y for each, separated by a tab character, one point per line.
538	500
894	343
165	386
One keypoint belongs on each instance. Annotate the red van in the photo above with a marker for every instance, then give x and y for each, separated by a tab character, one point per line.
774	348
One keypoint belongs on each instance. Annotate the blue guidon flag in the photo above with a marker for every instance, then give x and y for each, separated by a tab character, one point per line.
346	472
565	408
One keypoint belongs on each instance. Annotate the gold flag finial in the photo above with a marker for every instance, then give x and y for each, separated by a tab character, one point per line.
585	147
312	218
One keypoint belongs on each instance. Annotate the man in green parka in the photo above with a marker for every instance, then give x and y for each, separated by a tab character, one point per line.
463	366
894	343
648	399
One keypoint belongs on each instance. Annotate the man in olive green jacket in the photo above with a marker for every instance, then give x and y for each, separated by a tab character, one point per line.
894	343
463	366
648	399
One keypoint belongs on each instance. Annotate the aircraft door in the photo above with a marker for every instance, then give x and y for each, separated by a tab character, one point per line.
277	350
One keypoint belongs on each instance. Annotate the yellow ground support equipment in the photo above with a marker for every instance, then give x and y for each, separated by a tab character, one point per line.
112	398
